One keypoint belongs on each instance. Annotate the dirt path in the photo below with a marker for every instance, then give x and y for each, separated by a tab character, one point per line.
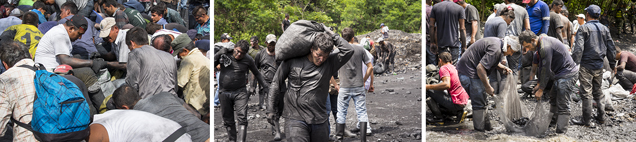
394	111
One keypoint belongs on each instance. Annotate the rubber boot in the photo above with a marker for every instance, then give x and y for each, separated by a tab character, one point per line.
261	98
363	131
479	119
340	132
231	132
276	131
437	114
587	114
553	121
600	112
562	123
487	124
242	133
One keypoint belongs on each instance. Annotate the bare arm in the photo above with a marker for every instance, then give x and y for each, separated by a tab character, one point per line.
527	23
369	71
73	62
445	85
462	34
433	31
533	71
481	72
475	25
117	65
335	84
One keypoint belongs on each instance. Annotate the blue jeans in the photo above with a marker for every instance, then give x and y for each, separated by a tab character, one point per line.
475	89
216	95
359	98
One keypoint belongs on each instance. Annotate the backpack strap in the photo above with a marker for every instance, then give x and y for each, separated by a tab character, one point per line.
35	67
25	126
175	135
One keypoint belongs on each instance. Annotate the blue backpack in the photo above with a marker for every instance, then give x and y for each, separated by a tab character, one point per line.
60	111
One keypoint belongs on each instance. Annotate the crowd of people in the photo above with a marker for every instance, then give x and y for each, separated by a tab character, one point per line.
142	66
303	90
535	40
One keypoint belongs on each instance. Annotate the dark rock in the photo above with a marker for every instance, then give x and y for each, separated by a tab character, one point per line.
390	90
398	123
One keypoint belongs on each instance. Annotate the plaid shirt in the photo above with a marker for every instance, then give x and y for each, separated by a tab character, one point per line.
16	99
121	18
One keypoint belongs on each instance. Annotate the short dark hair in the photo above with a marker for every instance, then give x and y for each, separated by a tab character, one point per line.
164	45
556	2
510	13
12	52
199	9
348	33
109	3
446	57
565	12
38	5
137	35
255	38
324	42
70	6
157	9
287	15
355	39
461	2
243	44
526	36
30	18
512	1
152	27
125	95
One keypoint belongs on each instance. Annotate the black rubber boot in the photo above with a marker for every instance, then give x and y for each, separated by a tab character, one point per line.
553	121
437	113
363	131
231	132
340	132
276	131
479	119
587	114
562	123
600	111
261	98
487	124
242	133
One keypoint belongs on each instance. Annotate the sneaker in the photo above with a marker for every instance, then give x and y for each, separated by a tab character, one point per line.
462	116
368	132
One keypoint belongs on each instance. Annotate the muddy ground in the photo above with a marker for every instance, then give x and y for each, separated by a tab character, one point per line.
620	124
394	109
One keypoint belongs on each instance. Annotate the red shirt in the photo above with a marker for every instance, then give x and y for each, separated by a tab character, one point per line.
457	92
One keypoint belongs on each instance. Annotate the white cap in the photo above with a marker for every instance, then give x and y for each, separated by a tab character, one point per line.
581	15
513	41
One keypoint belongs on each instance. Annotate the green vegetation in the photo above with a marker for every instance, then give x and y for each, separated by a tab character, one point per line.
243	19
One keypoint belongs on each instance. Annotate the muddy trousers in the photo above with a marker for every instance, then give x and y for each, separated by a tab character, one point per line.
591	88
232	102
476	92
560	101
626	79
445	102
300	131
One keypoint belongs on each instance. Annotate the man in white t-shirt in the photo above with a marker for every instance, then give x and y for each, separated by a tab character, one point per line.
116	37
55	46
134	126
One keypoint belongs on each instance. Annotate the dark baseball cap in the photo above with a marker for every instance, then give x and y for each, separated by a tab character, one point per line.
593	10
80	22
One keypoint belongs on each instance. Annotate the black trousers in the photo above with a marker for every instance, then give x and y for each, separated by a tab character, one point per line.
234	101
300	131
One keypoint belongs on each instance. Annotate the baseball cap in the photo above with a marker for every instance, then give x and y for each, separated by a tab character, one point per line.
381	25
225	36
179	43
526	1
63	69
380	39
192	33
80	22
581	15
16	12
203	45
105	26
513	41
270	38
593	10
